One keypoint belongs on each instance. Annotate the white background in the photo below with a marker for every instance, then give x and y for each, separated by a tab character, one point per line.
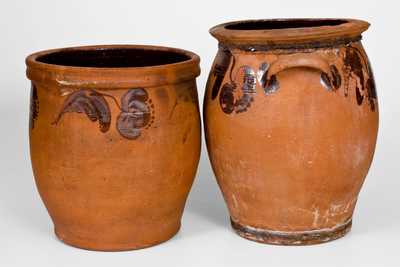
205	239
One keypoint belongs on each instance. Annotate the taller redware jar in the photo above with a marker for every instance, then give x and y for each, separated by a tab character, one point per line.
115	141
291	119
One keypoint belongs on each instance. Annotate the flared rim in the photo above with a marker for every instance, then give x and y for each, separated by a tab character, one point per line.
288	31
43	68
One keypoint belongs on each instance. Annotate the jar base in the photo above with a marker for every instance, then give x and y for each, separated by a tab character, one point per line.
81	243
291	238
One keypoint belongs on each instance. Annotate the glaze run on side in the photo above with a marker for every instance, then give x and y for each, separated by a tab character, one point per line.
354	65
34	107
219	71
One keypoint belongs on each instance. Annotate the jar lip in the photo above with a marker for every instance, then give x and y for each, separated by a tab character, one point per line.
60	66
288	31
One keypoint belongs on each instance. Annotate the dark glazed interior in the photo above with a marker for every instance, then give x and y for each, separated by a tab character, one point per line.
113	58
283	24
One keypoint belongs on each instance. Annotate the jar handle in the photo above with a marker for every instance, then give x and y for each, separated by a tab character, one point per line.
330	76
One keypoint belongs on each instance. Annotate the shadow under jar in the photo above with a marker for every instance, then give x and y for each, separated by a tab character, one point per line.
114	141
291	119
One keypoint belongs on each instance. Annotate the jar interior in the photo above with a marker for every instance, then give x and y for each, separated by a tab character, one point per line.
283	24
113	57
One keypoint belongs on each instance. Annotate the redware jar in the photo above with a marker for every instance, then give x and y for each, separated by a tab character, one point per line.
291	119
115	141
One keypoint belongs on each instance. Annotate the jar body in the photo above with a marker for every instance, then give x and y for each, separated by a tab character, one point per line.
291	135
113	165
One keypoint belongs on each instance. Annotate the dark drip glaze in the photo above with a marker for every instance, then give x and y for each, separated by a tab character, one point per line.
219	71
354	66
34	107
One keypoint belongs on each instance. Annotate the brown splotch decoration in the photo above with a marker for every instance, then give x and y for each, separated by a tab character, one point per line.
135	113
270	85
219	71
248	89
227	98
337	79
354	64
232	100
371	91
334	82
34	107
187	93
91	103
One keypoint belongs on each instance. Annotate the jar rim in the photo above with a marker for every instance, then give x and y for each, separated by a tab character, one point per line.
113	66
288	31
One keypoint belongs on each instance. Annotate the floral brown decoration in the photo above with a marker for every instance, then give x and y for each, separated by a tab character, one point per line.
136	110
92	104
135	113
231	99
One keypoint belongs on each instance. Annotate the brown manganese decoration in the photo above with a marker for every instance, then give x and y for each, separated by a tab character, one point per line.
135	111
293	134
116	142
34	107
91	103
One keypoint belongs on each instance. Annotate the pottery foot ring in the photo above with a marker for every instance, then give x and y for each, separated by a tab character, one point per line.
291	238
291	119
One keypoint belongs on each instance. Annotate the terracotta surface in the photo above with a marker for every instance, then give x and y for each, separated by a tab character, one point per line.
291	118
115	141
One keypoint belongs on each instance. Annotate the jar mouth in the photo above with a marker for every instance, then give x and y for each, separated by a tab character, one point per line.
288	31
113	66
112	57
282	24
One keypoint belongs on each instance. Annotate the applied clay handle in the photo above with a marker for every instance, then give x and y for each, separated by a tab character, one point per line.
299	60
330	76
